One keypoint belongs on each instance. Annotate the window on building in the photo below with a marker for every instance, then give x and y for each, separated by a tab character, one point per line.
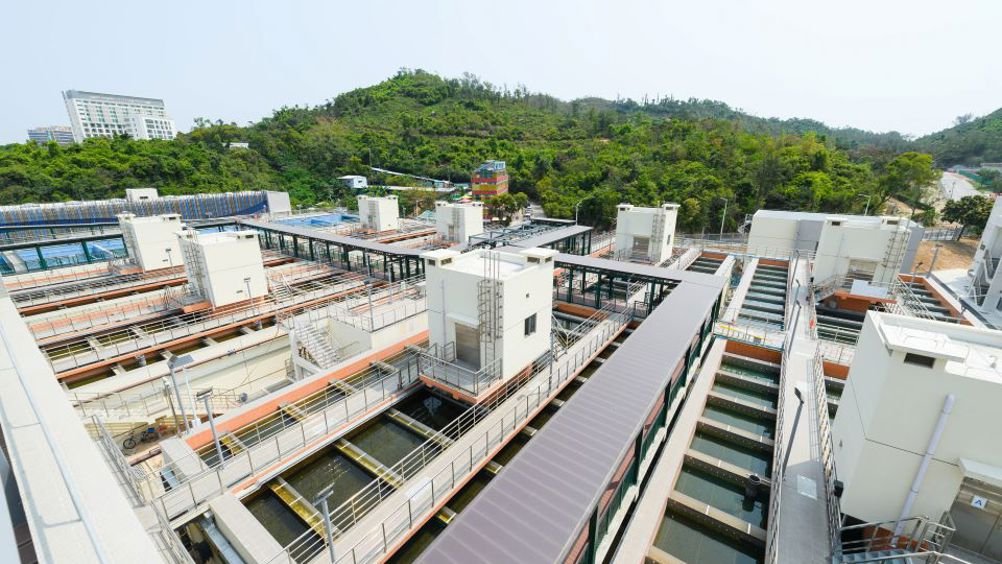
530	325
919	360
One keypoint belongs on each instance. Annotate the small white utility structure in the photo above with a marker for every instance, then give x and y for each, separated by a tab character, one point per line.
868	249
917	428
379	213
151	241
489	315
645	234
459	222
986	285
141	194
223	268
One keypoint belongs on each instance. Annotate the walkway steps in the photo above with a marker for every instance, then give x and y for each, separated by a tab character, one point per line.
740	405
446	515
371	465
721	468
734	434
298	504
418	427
494	468
716	519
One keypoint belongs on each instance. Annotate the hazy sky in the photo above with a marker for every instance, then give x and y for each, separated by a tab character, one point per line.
911	66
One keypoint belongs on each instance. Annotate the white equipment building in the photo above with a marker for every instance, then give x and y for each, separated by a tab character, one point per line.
488	306
986	285
151	241
354	181
459	222
645	234
916	431
870	248
379	213
223	268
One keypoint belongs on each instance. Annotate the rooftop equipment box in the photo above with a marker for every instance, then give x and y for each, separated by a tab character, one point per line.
224	268
151	241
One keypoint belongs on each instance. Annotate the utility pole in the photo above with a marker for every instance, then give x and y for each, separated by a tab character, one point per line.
205	396
173	364
723	217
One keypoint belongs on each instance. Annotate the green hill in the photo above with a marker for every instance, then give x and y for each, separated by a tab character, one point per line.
972	143
695	152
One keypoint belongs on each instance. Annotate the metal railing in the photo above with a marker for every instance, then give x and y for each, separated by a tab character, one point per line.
519	404
280	439
920	537
778	470
163	535
167	330
827	450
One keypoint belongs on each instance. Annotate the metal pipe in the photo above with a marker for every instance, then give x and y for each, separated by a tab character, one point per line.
930	451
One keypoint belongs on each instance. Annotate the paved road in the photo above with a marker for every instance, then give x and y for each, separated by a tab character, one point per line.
956	186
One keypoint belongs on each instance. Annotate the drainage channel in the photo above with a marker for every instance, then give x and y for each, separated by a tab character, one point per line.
284	505
424	536
713	515
765	302
705	264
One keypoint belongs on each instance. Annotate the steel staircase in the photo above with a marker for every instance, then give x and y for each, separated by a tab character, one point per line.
315	346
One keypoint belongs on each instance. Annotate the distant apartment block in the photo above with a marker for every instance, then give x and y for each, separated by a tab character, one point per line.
59	133
490	179
105	115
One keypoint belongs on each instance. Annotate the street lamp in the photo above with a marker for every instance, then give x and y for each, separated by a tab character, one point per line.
205	395
173	363
867	208
247	285
723	217
796	420
321	504
170	260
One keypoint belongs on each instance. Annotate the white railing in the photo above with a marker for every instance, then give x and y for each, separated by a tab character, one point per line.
827	450
270	444
519	404
778	471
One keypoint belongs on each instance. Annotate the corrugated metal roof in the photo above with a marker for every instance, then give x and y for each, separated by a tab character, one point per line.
640	270
534	509
552	236
335	239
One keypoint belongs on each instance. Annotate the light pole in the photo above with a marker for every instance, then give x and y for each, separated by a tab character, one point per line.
723	217
321	504
866	210
170	260
173	363
205	395
793	432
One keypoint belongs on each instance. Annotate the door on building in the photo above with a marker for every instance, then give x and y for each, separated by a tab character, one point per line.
640	246
862	270
467	346
977	512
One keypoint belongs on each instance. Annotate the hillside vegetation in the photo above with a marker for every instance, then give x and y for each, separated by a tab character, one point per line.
697	153
972	142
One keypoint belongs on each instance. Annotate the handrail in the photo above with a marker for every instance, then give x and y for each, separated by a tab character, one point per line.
424	497
778	471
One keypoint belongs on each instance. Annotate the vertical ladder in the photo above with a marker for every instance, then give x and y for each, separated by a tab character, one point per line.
896	251
489	315
657	244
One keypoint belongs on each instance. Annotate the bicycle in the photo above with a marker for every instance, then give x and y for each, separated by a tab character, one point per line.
146	435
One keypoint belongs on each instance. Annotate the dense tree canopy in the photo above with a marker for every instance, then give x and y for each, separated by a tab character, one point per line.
595	153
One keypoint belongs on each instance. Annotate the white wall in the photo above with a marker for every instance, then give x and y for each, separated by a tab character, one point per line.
887	414
459	222
840	244
221	262
453	299
379	213
633	222
152	241
769	232
139	194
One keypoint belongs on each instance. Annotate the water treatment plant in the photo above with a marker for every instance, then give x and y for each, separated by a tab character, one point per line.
220	379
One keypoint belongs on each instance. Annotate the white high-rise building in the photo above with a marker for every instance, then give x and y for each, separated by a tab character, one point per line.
94	114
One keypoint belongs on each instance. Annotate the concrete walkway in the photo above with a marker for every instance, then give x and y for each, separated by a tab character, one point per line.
650	510
803	523
409	507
